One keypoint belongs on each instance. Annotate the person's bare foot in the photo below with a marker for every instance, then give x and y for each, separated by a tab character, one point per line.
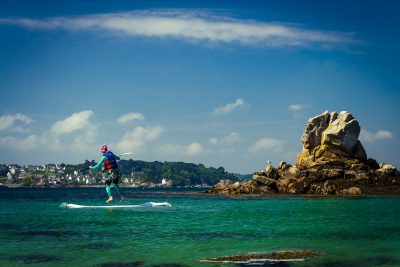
110	198
122	198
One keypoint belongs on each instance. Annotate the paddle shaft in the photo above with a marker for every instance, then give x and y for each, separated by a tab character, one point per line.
126	153
84	169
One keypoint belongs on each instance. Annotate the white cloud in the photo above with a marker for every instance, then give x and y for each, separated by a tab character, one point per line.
170	149
80	122
8	122
267	144
130	117
229	139
28	143
368	137
84	142
214	141
192	25
297	107
53	139
136	139
192	149
76	121
229	107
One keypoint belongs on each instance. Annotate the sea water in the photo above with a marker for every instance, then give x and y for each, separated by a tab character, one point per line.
37	230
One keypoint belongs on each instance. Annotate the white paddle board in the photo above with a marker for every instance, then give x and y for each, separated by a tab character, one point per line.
148	204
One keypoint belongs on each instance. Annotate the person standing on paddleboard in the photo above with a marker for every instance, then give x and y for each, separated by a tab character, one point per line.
112	174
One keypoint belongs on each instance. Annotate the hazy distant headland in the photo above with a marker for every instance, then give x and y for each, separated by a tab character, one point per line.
333	162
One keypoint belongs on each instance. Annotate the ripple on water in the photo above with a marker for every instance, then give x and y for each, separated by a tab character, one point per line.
7	226
170	265
121	264
218	235
266	264
35	258
139	263
50	233
100	246
367	261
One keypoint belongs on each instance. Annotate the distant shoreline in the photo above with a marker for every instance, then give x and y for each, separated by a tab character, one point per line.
233	196
97	186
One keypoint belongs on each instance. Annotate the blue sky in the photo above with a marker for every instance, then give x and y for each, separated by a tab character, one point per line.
223	83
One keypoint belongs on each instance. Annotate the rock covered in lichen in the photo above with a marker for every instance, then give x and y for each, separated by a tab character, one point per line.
331	137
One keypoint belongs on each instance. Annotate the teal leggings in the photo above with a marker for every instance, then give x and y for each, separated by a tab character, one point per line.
108	189
113	177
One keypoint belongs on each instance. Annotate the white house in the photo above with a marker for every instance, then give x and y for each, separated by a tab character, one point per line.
90	180
166	182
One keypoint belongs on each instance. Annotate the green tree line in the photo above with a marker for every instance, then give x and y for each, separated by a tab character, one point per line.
179	172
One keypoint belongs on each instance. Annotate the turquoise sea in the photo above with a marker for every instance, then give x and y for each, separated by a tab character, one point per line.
36	230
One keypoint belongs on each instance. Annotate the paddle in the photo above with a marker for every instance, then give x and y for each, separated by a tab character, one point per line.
126	153
84	169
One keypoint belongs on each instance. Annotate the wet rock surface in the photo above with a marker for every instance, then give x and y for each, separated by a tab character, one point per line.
332	162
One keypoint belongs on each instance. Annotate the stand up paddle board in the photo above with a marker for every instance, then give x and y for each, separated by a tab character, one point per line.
148	204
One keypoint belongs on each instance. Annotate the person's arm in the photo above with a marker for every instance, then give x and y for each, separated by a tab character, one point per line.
117	157
102	160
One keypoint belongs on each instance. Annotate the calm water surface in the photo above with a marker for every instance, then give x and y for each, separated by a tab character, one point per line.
37	231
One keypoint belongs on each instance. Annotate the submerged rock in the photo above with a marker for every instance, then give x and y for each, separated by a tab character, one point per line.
285	255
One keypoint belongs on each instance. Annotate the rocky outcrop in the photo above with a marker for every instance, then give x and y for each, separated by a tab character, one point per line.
259	184
332	162
331	137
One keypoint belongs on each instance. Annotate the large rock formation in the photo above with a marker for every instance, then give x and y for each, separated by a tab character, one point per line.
333	161
331	137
